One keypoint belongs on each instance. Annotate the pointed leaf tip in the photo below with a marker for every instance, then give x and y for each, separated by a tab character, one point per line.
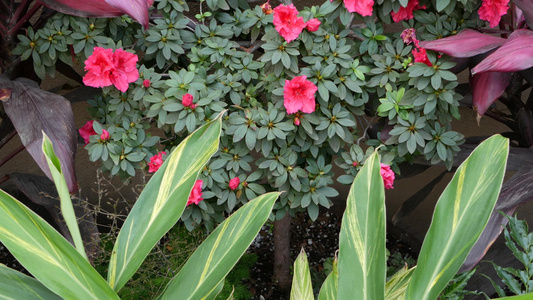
467	43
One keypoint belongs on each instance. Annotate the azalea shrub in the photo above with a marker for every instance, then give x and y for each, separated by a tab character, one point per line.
303	88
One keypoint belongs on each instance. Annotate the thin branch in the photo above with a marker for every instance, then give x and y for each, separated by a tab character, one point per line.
369	124
509	123
24	19
349	25
11	155
21	9
4	179
8	137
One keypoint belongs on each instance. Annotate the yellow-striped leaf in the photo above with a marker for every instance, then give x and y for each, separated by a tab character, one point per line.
15	285
217	255
301	289
397	284
161	202
527	296
460	215
328	291
47	255
362	259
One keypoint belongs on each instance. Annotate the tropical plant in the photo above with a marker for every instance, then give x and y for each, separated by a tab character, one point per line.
62	271
460	215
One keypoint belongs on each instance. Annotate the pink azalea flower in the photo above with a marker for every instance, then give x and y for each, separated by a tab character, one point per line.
299	94
86	131
388	176
420	55
155	162
409	36
234	183
287	23
312	25
355	164
146	83
406	13
196	193
106	68
187	101
362	7
104	136
493	10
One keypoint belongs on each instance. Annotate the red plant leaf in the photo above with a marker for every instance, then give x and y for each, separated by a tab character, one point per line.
515	54
33	111
526	6
487	88
467	43
137	9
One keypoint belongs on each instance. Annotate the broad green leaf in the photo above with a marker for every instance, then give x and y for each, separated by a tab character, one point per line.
161	203
302	288
328	291
397	284
528	296
460	215
362	259
15	285
217	255
61	185
47	255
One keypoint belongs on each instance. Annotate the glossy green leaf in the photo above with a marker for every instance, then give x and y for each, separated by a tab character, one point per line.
328	291
217	255
302	288
362	259
47	255
15	285
460	215
161	203
61	185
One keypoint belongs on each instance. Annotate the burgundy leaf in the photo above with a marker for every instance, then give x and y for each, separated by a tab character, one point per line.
526	6
487	88
515	54
467	43
33	111
137	9
517	190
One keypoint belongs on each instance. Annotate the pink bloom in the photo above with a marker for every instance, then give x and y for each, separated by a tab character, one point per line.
409	36
299	94
297	121
187	101
421	56
155	162
104	136
355	164
312	25
234	183
406	13
146	83
106	68
196	193
493	10
388	176
287	23
86	131
362	7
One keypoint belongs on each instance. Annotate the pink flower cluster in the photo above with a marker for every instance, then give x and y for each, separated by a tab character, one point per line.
196	193
299	94
406	13
155	162
289	25
106	68
493	10
87	131
388	176
419	53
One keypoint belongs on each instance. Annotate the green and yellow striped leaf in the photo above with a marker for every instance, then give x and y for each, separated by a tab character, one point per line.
62	190
301	289
47	255
15	285
217	255
460	215
527	296
328	291
397	284
161	202
362	253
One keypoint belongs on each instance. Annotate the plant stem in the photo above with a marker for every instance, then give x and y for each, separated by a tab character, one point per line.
282	253
23	20
11	155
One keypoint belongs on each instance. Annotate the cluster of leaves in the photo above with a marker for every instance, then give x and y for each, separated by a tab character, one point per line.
232	58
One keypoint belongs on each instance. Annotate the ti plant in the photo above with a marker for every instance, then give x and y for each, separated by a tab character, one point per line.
460	215
62	271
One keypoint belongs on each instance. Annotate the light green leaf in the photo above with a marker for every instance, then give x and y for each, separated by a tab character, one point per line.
362	259
47	255
217	255
161	203
328	291
460	215
61	185
302	288
527	296
15	285
397	284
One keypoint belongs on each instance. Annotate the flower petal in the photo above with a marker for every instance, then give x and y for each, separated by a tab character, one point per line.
487	88
465	44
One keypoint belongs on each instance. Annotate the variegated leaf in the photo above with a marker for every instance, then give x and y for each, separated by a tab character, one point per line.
302	288
328	291
15	285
